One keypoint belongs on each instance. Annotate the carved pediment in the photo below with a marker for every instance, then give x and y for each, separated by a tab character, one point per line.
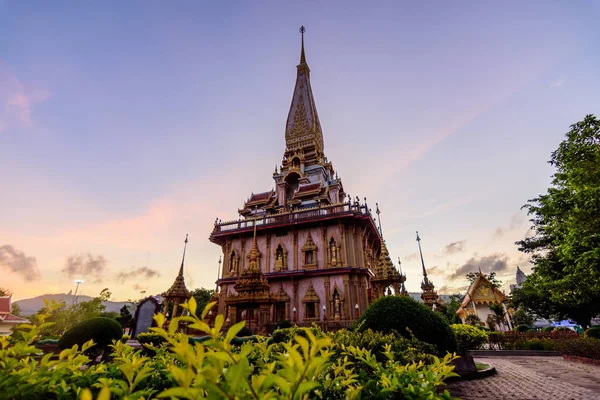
310	296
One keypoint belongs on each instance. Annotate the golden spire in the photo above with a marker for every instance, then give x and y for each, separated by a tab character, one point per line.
303	129
302	56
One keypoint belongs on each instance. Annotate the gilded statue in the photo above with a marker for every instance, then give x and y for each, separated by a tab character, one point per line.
278	262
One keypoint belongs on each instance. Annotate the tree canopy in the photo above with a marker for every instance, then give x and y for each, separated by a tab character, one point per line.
472	276
565	247
202	297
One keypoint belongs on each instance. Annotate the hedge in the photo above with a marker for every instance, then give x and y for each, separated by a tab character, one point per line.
100	329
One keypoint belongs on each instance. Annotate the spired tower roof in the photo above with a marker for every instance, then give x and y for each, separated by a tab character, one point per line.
303	128
252	285
178	288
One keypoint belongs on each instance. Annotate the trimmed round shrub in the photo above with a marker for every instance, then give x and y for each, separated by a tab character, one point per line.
100	329
547	329
522	328
245	331
593	332
284	324
150	338
408	317
469	337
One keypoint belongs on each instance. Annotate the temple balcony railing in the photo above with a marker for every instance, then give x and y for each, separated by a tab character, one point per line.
297	215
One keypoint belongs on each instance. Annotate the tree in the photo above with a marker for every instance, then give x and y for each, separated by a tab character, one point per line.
471	276
125	318
64	317
565	248
202	297
16	310
522	317
473	319
449	309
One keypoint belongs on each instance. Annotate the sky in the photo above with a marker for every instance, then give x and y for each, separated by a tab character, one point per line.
125	126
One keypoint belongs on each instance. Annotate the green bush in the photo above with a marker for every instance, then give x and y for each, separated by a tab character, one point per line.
593	332
101	330
150	338
244	332
468	337
522	328
284	324
581	347
547	329
407	317
307	366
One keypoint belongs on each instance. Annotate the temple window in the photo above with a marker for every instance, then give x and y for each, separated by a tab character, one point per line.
309	253
311	310
333	251
292	181
234	260
311	304
280	258
296	163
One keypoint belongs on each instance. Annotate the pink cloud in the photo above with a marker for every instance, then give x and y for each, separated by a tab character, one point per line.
17	100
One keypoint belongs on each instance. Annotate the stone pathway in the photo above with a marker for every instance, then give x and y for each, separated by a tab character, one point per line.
525	378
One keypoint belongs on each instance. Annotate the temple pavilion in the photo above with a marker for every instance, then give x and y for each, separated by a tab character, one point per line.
304	251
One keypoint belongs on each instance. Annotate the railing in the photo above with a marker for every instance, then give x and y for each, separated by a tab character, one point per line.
293	216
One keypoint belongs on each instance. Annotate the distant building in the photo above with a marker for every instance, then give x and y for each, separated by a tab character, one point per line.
480	295
7	320
520	278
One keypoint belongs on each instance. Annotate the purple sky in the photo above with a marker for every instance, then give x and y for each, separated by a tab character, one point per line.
126	125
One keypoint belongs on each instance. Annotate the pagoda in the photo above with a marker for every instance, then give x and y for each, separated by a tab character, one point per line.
177	293
304	250
429	295
387	280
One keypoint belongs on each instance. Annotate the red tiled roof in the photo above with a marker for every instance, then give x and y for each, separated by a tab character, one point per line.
258	197
308	188
6	317
5	304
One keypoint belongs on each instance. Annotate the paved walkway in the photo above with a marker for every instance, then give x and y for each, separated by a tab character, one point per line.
527	378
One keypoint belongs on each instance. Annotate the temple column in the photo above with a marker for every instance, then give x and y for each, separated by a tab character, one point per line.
356	297
327	285
364	295
324	246
295	250
242	262
353	246
295	302
348	297
344	255
268	250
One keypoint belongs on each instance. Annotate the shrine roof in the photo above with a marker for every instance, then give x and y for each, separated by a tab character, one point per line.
483	292
7	317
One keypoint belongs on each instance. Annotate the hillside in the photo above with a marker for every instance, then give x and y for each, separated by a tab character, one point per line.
33	305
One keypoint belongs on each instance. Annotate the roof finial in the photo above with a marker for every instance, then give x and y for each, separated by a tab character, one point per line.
378	219
183	259
421	253
302	56
400	265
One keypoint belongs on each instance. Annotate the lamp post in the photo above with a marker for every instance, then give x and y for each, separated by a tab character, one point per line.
78	282
294	311
324	313
356	308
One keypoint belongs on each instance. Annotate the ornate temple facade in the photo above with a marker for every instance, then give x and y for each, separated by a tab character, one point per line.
480	295
304	251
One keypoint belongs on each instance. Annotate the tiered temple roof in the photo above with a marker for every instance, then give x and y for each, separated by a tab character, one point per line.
251	286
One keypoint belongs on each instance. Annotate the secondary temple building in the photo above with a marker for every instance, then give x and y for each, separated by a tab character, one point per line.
304	251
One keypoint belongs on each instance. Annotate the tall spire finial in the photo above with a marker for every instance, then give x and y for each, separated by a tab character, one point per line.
302	56
421	253
378	219
183	259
